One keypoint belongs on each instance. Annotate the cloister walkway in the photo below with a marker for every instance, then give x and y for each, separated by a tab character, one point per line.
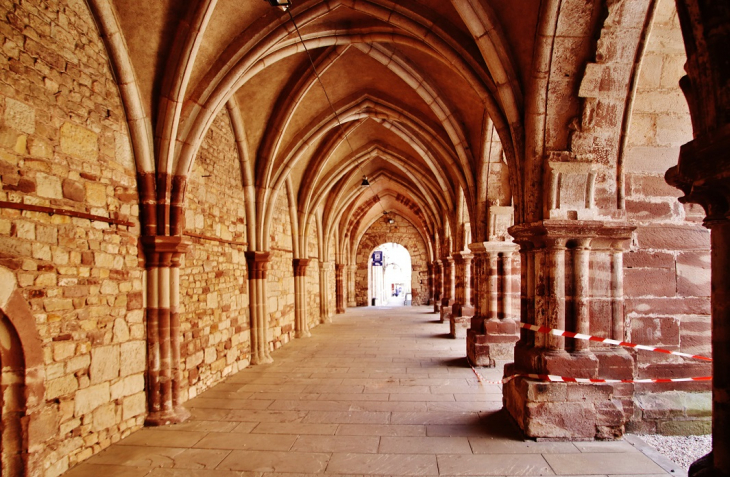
381	391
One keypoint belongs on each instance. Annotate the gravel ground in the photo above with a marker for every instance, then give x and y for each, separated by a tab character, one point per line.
682	450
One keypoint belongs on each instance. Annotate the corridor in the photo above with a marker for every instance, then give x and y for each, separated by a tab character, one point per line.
381	391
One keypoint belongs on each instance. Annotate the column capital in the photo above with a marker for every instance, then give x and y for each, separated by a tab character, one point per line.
552	232
164	250
461	258
258	264
300	266
703	174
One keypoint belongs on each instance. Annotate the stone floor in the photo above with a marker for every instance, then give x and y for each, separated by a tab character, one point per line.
382	391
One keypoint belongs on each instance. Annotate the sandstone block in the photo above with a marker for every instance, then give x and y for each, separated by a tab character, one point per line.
79	142
73	190
96	194
133	406
650	282
61	387
104	364
63	350
78	363
104	417
88	399
133	357
48	186
19	116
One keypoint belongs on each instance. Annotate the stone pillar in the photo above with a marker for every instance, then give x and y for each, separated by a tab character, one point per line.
429	270
325	315
493	330
438	283
703	174
447	299
340	287
462	311
258	265
301	327
164	400
352	275
558	291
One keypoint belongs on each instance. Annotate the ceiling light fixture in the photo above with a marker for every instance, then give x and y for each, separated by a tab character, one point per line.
365	181
391	221
282	4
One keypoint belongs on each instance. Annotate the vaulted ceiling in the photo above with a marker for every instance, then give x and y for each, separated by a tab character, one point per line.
417	95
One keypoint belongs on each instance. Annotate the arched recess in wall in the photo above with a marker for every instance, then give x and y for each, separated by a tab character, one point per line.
21	383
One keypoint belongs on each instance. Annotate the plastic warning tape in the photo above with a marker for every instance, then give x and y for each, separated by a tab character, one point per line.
579	336
564	379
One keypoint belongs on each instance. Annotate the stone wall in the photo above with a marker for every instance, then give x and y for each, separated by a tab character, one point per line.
213	279
64	143
403	233
280	281
667	270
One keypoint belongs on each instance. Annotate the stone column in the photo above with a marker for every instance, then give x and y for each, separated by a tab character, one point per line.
340	287
703	174
438	283
324	304
493	331
447	299
352	275
462	311
301	327
567	298
164	400
429	270
258	265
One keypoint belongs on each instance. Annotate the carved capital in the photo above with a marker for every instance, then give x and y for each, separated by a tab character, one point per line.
300	266
258	264
164	251
703	174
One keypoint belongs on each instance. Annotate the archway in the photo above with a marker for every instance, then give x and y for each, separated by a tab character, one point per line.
390	277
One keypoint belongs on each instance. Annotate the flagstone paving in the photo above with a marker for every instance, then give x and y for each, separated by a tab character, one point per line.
381	391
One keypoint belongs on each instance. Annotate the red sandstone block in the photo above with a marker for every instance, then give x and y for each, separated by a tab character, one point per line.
655	331
650	186
649	282
640	210
681	306
673	237
645	259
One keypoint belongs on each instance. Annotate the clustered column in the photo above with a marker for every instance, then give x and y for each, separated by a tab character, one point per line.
438	281
258	264
447	288
462	311
301	327
493	330
163	256
340	288
558	292
352	274
324	303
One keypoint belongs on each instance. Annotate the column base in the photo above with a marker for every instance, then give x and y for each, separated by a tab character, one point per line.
437	306
460	320
261	358
340	311
496	342
302	334
553	410
705	467
164	418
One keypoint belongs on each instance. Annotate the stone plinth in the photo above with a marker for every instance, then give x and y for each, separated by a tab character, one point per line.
571	280
493	330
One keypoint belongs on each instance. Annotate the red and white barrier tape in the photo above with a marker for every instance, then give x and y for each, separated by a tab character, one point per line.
579	336
564	379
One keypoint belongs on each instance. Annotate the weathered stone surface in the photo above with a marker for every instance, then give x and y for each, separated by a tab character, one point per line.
88	399
79	142
104	364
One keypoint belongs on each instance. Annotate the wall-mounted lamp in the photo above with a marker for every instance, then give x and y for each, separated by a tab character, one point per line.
365	181
282	4
391	221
